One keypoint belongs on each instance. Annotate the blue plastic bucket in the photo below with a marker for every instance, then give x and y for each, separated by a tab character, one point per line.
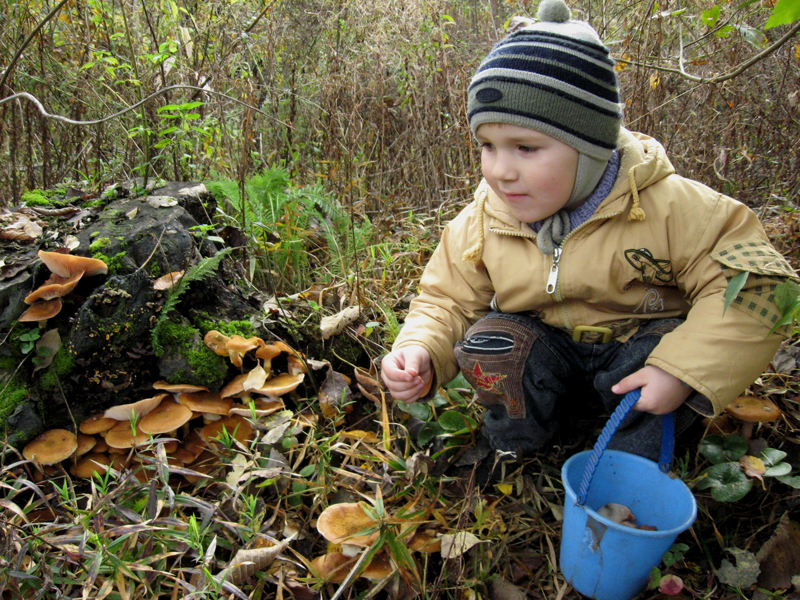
603	559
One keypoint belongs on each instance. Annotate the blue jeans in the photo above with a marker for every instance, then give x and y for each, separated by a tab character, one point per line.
529	376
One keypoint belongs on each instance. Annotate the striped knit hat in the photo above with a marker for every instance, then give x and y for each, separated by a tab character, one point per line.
555	76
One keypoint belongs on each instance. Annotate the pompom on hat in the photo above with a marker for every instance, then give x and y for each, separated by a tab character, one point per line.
556	76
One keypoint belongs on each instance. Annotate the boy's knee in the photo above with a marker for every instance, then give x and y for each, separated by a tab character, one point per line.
492	358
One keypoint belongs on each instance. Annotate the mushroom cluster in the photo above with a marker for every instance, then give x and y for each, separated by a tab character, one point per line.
350	530
67	270
190	420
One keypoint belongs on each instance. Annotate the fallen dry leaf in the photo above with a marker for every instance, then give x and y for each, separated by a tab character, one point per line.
247	562
779	559
46	349
334	396
335	324
753	466
455	544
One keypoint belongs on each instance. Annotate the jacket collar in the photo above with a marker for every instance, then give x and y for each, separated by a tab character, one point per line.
643	161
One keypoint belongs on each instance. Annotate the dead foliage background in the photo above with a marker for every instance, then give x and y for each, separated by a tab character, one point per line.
368	99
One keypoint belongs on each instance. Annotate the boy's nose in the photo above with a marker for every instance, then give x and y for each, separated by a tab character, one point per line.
504	169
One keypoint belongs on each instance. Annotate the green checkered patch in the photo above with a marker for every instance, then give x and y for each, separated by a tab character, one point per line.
767	268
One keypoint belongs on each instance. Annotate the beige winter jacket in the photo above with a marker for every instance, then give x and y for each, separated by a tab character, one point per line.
670	253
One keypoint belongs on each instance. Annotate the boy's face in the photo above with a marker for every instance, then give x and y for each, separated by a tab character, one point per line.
531	172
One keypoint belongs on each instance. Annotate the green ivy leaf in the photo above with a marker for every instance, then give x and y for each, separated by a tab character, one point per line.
793	481
427	432
710	16
772	457
735	286
418	410
779	470
718	449
452	420
784	13
727	482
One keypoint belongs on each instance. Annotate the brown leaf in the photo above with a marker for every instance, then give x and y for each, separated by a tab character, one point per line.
50	342
502	589
334	395
779	557
753	466
247	562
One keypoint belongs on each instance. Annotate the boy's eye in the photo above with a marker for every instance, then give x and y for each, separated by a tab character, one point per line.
486	145
528	148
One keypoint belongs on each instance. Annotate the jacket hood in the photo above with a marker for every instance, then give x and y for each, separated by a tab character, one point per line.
643	162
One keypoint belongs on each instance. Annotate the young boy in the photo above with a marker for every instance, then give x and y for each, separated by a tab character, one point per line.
584	260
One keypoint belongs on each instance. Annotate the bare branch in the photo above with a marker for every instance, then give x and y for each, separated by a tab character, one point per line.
718	78
32	99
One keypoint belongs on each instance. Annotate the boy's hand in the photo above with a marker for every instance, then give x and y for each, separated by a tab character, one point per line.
661	392
407	373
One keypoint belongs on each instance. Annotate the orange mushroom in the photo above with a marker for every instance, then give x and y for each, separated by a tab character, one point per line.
41	311
68	265
51	447
751	410
346	522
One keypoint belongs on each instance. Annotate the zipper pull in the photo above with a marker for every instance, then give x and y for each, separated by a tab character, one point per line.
552	279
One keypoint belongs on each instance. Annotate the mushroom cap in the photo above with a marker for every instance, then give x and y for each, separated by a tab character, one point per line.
217	342
121	436
261	407
90	464
378	568
339	523
51	447
55	287
752	409
425	542
239	344
236	426
268	352
165	417
334	566
85	444
68	265
97	424
123	412
280	385
168	281
206	402
178	388
234	387
41	311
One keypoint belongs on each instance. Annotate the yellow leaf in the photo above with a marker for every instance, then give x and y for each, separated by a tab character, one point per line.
753	466
655	79
505	488
797	51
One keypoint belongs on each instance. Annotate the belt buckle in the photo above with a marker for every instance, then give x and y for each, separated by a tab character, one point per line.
581	329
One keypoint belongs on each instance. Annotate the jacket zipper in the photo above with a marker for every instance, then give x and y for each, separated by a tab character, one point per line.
552	279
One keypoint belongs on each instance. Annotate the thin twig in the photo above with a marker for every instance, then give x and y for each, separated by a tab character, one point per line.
69	121
719	78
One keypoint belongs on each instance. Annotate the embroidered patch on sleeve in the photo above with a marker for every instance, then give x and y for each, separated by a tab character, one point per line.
767	268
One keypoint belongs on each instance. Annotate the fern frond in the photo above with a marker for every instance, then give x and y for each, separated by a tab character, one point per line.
202	270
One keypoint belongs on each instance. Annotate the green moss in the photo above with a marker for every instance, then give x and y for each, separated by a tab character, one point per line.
205	367
35	198
12	388
115	263
63	364
99	244
242	328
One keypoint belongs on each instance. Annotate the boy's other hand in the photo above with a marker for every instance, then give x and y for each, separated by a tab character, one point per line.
661	392
407	373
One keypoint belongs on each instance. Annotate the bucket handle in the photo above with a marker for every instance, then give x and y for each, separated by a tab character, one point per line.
667	441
